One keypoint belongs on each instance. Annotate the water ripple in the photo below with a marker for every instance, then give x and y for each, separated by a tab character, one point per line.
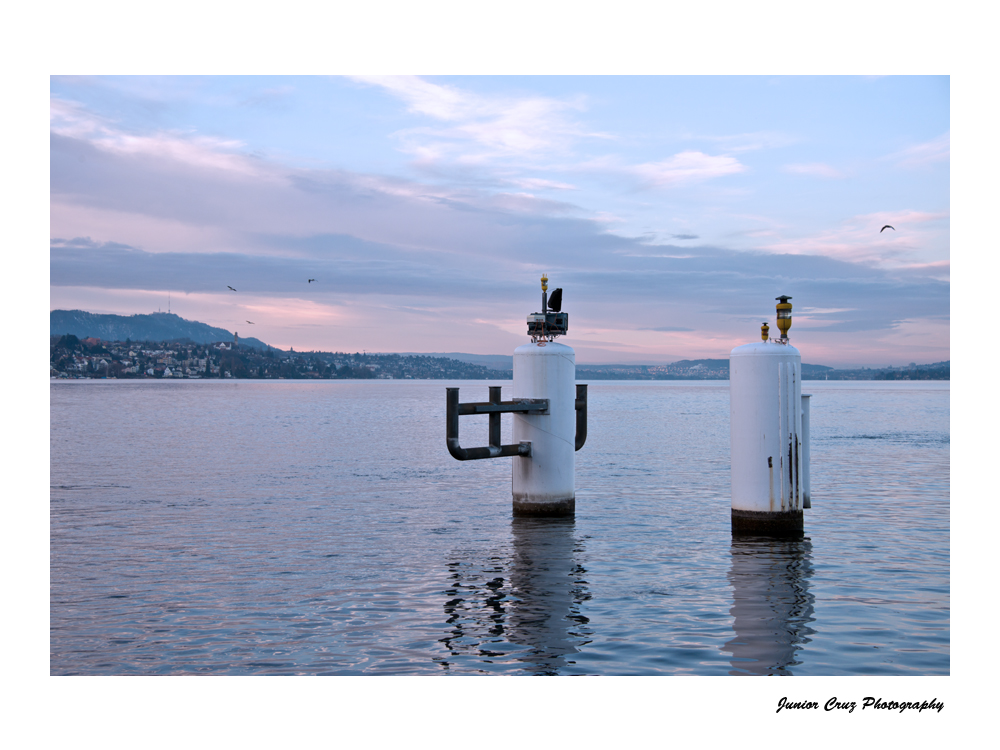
322	528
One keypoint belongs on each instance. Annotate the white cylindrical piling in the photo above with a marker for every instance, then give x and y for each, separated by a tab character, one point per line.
549	417
806	494
766	438
544	483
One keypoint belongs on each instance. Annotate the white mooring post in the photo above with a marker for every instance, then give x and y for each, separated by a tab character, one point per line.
768	456
550	417
544	483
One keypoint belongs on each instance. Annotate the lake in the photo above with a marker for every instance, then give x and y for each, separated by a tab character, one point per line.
322	528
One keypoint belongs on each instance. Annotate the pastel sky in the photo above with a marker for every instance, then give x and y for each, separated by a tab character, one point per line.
672	210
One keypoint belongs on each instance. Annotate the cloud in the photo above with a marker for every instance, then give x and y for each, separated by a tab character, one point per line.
664	293
71	120
340	265
431	99
922	154
535	183
815	169
740	142
481	129
183	177
102	186
858	239
276	97
173	211
334	216
686	167
823	311
489	139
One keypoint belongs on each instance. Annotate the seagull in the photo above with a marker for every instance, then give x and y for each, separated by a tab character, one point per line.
230	287
311	280
887	226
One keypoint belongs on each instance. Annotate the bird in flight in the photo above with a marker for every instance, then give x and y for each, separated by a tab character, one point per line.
230	287
887	226
311	280
250	322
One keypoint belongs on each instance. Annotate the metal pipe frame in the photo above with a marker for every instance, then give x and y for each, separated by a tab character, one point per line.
494	407
581	415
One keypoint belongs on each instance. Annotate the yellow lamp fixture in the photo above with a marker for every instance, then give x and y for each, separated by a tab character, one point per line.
784	316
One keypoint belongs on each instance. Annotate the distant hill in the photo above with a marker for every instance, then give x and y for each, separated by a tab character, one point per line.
506	362
169	327
814	369
491	361
152	327
711	365
933	371
723	364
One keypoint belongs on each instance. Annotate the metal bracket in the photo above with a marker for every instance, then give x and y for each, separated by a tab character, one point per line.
581	415
494	407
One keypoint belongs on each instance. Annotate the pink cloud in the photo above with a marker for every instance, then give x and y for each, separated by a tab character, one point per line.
930	152
72	120
916	235
816	169
686	167
481	128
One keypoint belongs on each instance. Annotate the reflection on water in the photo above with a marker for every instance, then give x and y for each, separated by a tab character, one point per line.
549	587
772	605
523	606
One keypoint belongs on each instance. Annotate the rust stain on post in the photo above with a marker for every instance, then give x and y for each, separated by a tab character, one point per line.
770	476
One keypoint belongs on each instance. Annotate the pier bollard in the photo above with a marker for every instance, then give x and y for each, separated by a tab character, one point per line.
550	418
544	483
766	434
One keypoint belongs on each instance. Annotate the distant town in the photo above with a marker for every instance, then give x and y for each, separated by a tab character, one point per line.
164	345
93	358
90	357
718	369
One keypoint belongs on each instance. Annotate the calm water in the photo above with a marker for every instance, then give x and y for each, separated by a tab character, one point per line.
322	528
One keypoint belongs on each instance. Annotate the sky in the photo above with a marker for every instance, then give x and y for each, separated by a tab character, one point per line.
671	210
